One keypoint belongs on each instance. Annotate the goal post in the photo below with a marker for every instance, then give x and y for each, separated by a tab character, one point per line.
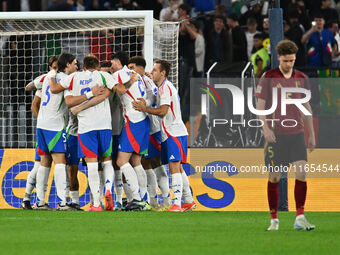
28	39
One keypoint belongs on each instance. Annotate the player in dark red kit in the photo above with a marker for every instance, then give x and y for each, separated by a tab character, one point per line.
285	137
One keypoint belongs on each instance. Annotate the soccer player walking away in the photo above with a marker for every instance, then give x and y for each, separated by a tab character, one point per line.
31	178
94	126
284	144
151	161
174	134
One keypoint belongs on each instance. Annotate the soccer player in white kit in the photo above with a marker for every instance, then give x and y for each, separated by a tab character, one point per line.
94	128
174	134
31	178
151	161
51	135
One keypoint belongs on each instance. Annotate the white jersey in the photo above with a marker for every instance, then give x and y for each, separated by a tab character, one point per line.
38	93
172	123
151	95
136	90
53	110
97	117
38	81
72	125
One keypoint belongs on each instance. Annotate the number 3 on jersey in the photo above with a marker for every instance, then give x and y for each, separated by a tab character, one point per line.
48	94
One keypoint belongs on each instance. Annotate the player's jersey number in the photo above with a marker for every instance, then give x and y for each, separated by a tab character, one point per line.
48	94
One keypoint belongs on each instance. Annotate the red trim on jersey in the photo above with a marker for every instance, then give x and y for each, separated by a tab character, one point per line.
135	145
155	143
120	80
172	103
41	152
178	143
88	153
43	78
144	82
129	93
71	84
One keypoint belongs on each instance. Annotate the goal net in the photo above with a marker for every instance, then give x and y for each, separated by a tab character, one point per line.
28	40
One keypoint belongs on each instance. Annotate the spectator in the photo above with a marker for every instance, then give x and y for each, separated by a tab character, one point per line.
239	39
254	13
328	12
155	5
265	34
186	50
60	5
252	30
295	34
334	28
321	43
19	5
218	43
170	13
260	58
194	29
127	5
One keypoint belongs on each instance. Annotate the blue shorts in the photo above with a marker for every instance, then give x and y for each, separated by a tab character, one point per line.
174	149
36	156
72	150
115	145
51	141
95	144
154	148
135	137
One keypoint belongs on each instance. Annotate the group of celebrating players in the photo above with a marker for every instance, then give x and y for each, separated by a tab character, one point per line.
125	124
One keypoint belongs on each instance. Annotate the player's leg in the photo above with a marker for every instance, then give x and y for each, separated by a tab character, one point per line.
105	150
141	175
118	176
60	178
189	203
31	182
299	160
43	170
163	181
151	182
72	160
88	148
271	152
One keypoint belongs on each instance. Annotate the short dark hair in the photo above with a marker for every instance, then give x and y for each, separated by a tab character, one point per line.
63	60
91	62
185	7
164	66
318	14
196	24
51	60
286	47
219	17
106	64
138	61
258	36
122	56
251	21
233	16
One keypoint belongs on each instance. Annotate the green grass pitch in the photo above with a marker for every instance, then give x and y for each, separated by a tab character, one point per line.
43	232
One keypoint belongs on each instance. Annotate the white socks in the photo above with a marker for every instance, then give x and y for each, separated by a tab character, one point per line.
131	180
93	178
152	186
75	196
177	187
142	181
31	181
119	186
41	184
108	174
128	192
60	182
163	182
186	189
